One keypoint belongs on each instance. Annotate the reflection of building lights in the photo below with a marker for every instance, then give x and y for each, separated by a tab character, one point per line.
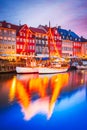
40	105
12	90
45	104
82	81
78	97
22	95
59	81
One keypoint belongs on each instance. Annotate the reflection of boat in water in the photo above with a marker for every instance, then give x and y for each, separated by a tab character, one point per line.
26	77
40	105
40	70
45	104
74	97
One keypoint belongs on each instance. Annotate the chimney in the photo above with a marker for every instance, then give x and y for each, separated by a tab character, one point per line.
4	21
19	22
69	32
59	27
49	24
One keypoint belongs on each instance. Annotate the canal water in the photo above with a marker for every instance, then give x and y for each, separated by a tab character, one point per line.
43	102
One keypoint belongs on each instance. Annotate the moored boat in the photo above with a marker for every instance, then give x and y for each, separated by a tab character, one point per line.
47	70
81	67
25	70
40	70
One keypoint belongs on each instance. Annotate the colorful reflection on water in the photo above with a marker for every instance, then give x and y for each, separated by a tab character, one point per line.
44	101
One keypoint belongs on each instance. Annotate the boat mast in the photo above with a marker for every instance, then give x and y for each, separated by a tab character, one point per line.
49	37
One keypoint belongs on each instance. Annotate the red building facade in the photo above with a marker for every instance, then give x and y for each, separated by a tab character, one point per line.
54	40
25	41
77	45
56	43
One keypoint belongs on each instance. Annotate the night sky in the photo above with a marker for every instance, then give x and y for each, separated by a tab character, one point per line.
69	14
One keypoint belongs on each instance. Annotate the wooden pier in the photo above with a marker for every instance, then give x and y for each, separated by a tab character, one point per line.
9	67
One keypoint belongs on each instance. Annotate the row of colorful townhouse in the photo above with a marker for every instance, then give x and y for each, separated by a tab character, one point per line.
43	40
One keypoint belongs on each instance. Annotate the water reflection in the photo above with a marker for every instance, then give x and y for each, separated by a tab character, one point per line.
37	85
36	94
76	97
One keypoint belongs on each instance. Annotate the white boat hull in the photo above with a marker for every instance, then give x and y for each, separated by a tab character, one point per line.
51	70
82	67
40	70
23	70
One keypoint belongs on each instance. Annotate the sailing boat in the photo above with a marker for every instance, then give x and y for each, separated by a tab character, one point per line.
27	68
50	69
41	69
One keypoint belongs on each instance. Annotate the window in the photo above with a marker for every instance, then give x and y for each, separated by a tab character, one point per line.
75	39
20	34
9	26
0	24
43	41
13	32
30	47
20	39
24	34
17	38
20	46
39	41
13	39
63	36
33	47
33	40
37	50
9	47
46	37
55	37
39	35
5	38
79	39
30	41
1	37
5	31
30	35
9	38
13	46
55	31
5	47
17	46
24	40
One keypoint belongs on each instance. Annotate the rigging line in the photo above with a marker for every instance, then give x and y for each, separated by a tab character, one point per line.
54	43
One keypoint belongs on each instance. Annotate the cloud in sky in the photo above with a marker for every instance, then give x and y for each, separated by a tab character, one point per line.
70	14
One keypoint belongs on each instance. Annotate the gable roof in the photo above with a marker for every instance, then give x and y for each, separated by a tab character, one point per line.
68	34
37	30
83	39
11	26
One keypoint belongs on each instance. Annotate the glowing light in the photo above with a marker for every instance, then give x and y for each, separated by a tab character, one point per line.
54	43
40	105
57	82
22	95
46	102
38	85
12	90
